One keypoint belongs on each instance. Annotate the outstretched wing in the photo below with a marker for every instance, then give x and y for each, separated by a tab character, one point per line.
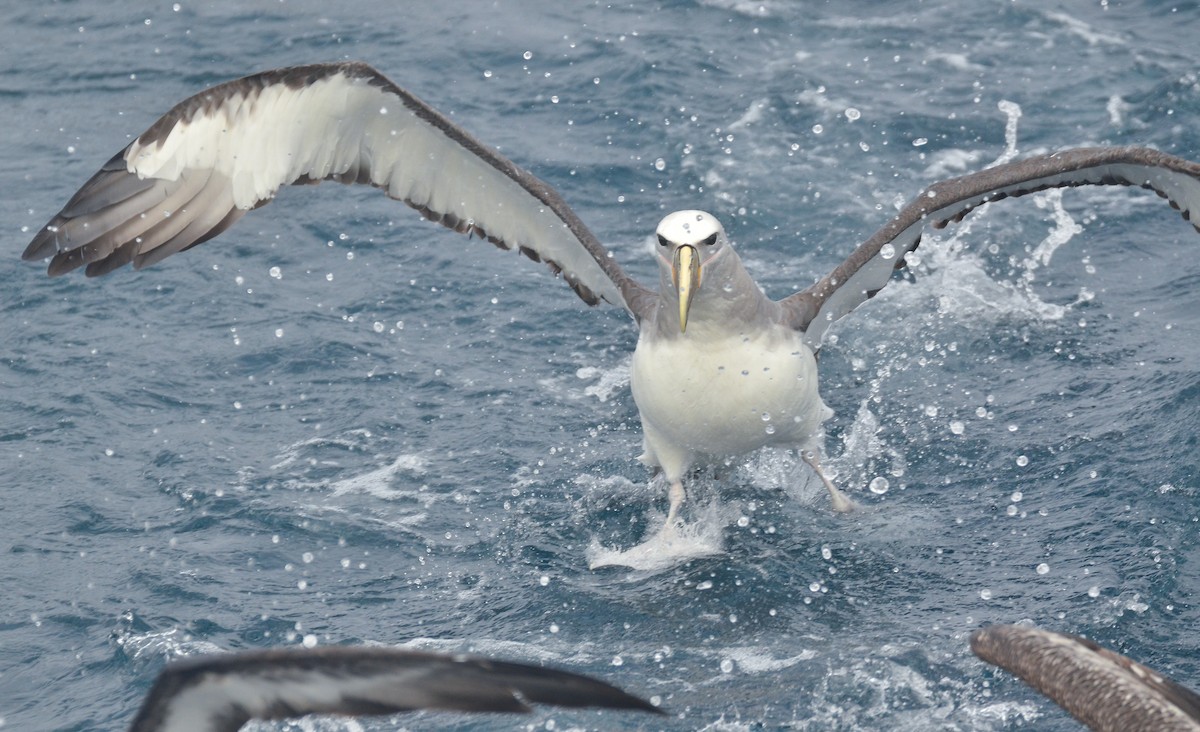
871	265
229	149
221	693
1105	690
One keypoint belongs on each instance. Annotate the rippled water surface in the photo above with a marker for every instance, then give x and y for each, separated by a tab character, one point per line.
343	424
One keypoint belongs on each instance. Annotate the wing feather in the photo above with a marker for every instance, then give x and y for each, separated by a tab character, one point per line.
221	693
1104	690
229	149
869	268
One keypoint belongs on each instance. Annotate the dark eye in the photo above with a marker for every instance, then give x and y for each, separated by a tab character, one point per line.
712	239
663	240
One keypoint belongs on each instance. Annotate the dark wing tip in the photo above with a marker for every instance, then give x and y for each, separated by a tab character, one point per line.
567	689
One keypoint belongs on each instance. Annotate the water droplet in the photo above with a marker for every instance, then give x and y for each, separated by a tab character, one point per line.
920	141
377	326
743	521
544	580
705	585
1043	568
527	55
826	552
1022	460
1094	591
726	666
817	129
852	113
879	485
1016	496
487	73
957	427
618	661
887	251
660	164
985	594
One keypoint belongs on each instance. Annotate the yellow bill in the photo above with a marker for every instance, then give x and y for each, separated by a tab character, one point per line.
685	269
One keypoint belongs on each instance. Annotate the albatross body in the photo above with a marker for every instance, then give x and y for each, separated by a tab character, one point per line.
719	370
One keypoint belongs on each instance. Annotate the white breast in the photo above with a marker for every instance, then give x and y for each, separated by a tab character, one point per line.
704	396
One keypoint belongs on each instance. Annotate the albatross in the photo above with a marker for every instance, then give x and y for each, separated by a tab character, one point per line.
720	369
1101	688
220	693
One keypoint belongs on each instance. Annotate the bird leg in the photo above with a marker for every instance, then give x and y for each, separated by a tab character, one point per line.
841	503
677	496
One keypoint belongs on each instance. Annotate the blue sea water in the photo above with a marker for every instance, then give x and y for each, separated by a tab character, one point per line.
340	424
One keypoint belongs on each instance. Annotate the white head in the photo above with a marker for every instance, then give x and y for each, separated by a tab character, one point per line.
688	242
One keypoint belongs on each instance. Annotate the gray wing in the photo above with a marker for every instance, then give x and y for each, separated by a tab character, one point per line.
221	693
871	265
1105	690
227	150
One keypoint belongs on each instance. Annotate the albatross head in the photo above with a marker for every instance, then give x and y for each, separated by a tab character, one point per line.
689	242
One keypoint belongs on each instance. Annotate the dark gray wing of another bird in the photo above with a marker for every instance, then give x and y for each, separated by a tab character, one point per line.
871	265
1105	690
221	693
227	150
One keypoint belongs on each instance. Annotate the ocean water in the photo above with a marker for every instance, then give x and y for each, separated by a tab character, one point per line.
338	423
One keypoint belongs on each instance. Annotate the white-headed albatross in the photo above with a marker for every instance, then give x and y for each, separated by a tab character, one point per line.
719	370
221	693
1103	689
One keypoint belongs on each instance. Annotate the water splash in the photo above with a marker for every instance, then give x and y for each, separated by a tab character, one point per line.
670	546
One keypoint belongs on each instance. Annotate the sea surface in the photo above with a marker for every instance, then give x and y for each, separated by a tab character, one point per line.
338	423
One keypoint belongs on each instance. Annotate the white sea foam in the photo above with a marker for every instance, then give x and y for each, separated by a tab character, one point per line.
378	482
